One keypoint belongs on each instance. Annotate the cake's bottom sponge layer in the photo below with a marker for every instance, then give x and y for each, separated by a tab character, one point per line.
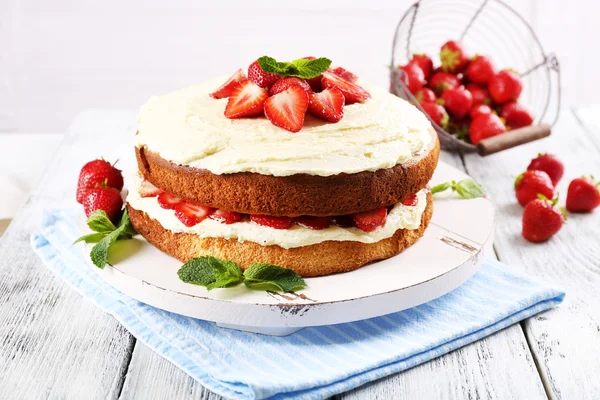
313	260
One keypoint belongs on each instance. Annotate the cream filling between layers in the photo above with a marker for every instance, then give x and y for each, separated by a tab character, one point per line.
188	127
400	217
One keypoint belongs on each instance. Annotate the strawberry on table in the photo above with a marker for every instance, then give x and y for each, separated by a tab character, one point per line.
423	61
148	190
246	100
479	110
413	77
191	214
437	113
542	219
583	195
95	173
550	164
505	86
260	77
103	198
442	81
516	115
168	201
352	92
316	223
272	222
485	126
286	83
327	105
288	108
453	57
531	183
458	101
228	217
344	73
370	220
479	93
225	89
425	95
480	70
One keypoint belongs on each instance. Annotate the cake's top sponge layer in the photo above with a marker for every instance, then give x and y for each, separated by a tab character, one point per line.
188	127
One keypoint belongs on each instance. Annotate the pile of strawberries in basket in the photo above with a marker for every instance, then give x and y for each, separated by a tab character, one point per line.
535	190
466	96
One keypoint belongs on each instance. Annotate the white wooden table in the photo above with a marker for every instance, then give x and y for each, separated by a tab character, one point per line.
54	344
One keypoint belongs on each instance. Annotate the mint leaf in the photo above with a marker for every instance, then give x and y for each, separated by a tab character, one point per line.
308	69
467	188
99	222
129	229
300	68
262	276
99	253
91	238
211	272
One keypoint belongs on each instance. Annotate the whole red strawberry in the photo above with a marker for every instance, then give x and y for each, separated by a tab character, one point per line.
96	173
550	164
583	195
479	110
442	81
260	77
480	94
485	126
480	70
425	95
414	78
531	183
453	57
437	113
103	198
542	219
423	61
516	115
458	101
505	86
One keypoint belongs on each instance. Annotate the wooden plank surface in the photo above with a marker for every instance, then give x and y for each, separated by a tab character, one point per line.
564	341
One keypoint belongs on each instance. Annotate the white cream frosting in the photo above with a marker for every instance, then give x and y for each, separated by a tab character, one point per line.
400	217
188	127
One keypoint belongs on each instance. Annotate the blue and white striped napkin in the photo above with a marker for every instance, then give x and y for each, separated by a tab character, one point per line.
312	363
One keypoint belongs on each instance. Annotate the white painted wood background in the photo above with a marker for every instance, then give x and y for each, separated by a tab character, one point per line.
58	57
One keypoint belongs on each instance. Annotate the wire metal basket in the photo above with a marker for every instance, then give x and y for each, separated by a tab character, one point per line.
488	27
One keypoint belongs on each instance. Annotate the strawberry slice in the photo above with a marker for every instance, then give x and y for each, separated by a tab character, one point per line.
352	92
191	214
225	89
288	108
327	105
344	73
148	190
246	100
370	220
168	201
272	222
228	217
343	221
410	201
316	223
286	83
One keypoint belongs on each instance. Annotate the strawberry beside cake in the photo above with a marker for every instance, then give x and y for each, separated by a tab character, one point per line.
295	164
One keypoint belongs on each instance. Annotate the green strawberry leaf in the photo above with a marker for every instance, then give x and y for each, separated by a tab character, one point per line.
99	222
211	273
262	276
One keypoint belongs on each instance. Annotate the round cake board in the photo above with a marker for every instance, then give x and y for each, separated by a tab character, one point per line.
448	254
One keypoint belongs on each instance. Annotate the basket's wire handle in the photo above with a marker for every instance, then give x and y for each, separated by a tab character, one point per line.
550	62
462	36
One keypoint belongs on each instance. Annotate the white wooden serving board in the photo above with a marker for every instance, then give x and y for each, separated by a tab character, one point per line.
445	257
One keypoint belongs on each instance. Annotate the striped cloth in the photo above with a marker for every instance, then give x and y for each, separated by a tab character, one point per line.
312	363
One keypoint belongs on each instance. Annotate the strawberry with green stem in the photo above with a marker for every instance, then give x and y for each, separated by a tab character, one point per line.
542	219
583	195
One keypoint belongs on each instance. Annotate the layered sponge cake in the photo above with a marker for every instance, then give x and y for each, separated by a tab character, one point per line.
345	187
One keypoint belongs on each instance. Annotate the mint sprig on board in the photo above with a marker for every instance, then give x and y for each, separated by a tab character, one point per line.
213	273
467	188
105	235
300	68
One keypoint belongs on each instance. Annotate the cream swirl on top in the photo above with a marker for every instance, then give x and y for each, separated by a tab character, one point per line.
188	127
